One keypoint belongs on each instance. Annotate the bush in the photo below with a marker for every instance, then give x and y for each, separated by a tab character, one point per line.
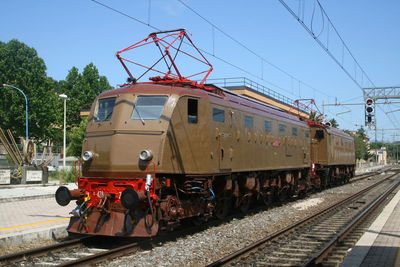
68	175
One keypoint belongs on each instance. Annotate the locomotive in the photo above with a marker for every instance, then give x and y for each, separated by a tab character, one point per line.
158	153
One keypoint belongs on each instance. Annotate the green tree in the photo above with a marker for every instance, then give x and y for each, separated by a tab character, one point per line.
361	143
334	123
82	89
76	136
21	67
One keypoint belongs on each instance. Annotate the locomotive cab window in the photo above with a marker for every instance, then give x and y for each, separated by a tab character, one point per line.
192	110
104	109
248	122
218	115
148	107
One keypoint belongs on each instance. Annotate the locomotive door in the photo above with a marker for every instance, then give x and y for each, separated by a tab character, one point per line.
318	142
225	144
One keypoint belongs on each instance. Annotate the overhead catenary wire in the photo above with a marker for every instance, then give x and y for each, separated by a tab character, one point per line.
202	50
344	45
326	49
250	50
212	54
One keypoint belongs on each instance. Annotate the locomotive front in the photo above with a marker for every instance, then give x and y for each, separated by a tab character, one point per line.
129	133
122	146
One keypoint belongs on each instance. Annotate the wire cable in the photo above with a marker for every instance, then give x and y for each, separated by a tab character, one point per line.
325	48
250	50
219	58
202	50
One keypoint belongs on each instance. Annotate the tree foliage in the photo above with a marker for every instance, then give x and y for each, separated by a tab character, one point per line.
76	135
334	123
82	89
361	143
392	149
21	67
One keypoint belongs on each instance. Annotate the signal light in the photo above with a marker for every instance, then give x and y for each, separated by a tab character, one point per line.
369	105
369	111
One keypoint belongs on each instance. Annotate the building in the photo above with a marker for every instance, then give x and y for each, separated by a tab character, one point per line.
380	155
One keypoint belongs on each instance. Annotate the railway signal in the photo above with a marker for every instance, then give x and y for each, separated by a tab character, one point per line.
369	111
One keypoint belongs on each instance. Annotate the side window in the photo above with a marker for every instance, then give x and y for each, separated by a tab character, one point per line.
192	110
218	115
307	133
281	128
294	131
267	126
248	122
104	109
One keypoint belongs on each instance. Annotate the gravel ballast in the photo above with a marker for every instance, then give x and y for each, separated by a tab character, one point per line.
216	242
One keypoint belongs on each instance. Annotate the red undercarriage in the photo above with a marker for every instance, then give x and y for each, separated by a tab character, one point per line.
101	212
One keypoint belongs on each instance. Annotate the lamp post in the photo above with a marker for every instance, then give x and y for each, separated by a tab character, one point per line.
64	96
26	109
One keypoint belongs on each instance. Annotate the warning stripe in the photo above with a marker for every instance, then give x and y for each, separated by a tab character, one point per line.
32	224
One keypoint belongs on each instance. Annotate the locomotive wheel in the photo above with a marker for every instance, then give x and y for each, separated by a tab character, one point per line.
197	220
244	204
268	197
223	207
283	195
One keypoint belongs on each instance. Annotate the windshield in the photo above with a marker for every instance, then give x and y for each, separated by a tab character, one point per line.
148	107
104	109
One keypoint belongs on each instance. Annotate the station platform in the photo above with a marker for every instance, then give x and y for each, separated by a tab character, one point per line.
30	212
380	244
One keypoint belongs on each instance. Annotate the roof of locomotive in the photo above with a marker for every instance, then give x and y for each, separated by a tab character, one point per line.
225	98
335	131
338	132
256	106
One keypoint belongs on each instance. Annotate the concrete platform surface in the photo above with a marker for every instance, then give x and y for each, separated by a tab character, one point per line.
30	212
379	246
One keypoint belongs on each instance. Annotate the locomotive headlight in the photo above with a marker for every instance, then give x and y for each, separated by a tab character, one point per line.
87	155
145	155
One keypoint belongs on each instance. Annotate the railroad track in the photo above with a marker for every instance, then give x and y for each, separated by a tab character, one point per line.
318	238
90	250
74	252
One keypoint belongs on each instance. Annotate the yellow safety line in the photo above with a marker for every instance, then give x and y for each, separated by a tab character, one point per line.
397	260
32	224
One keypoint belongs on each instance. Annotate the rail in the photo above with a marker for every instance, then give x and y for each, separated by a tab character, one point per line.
316	258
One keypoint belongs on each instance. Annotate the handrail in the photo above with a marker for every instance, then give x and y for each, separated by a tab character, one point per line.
243	81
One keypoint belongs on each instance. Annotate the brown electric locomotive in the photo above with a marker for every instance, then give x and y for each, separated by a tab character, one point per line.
160	152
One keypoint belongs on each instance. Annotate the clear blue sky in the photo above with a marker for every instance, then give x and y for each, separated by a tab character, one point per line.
77	32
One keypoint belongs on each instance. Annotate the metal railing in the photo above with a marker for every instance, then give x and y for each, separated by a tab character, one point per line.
245	82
